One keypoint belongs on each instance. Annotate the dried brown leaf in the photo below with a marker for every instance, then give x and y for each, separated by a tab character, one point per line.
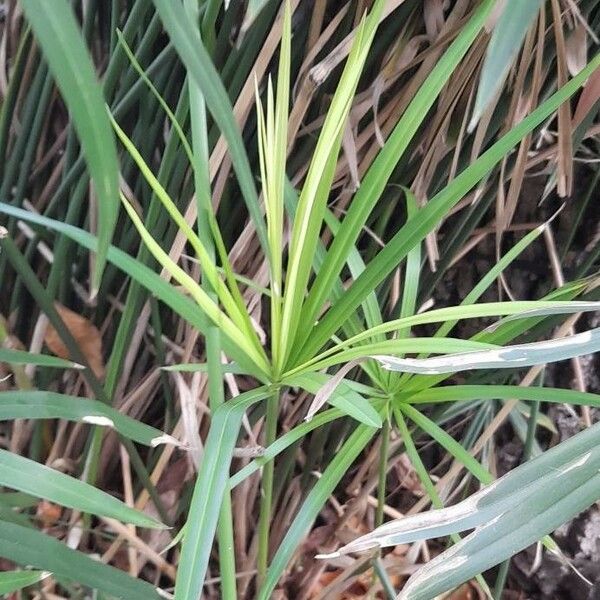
85	333
576	49
589	96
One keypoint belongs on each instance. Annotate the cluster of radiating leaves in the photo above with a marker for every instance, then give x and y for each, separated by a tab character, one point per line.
316	322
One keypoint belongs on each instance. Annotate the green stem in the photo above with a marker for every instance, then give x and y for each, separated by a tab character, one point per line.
501	579
383	457
531	427
388	588
378	569
208	24
266	499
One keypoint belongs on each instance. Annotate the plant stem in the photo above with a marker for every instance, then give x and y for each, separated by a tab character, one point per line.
266	498
378	570
388	588
383	456
532	426
501	579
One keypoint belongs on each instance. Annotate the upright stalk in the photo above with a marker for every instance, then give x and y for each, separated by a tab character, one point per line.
378	570
383	457
266	497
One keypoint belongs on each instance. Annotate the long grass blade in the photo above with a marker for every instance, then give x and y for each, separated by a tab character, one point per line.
50	405
416	229
33	478
517	356
59	36
30	547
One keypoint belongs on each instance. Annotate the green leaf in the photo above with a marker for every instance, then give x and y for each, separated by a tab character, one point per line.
209	268
448	443
20	357
417	228
410	290
30	547
57	32
11	581
241	339
285	441
252	11
452	314
376	178
562	495
426	482
186	39
49	405
209	490
180	303
486	281
272	147
401	346
510	357
28	476
535	485
316	189
507	39
457	393
343	398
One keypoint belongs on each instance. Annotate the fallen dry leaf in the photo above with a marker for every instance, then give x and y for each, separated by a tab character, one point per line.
85	333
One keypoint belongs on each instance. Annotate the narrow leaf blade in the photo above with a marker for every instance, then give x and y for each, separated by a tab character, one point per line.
60	39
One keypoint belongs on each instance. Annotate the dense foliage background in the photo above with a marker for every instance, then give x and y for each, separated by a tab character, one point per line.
291	178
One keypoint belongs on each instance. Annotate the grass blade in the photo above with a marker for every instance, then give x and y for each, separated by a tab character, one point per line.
180	303
30	547
11	581
49	405
314	502
209	490
208	305
343	397
458	393
428	217
28	476
21	357
507	39
517	356
186	39
529	480
562	496
315	192
60	39
376	178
